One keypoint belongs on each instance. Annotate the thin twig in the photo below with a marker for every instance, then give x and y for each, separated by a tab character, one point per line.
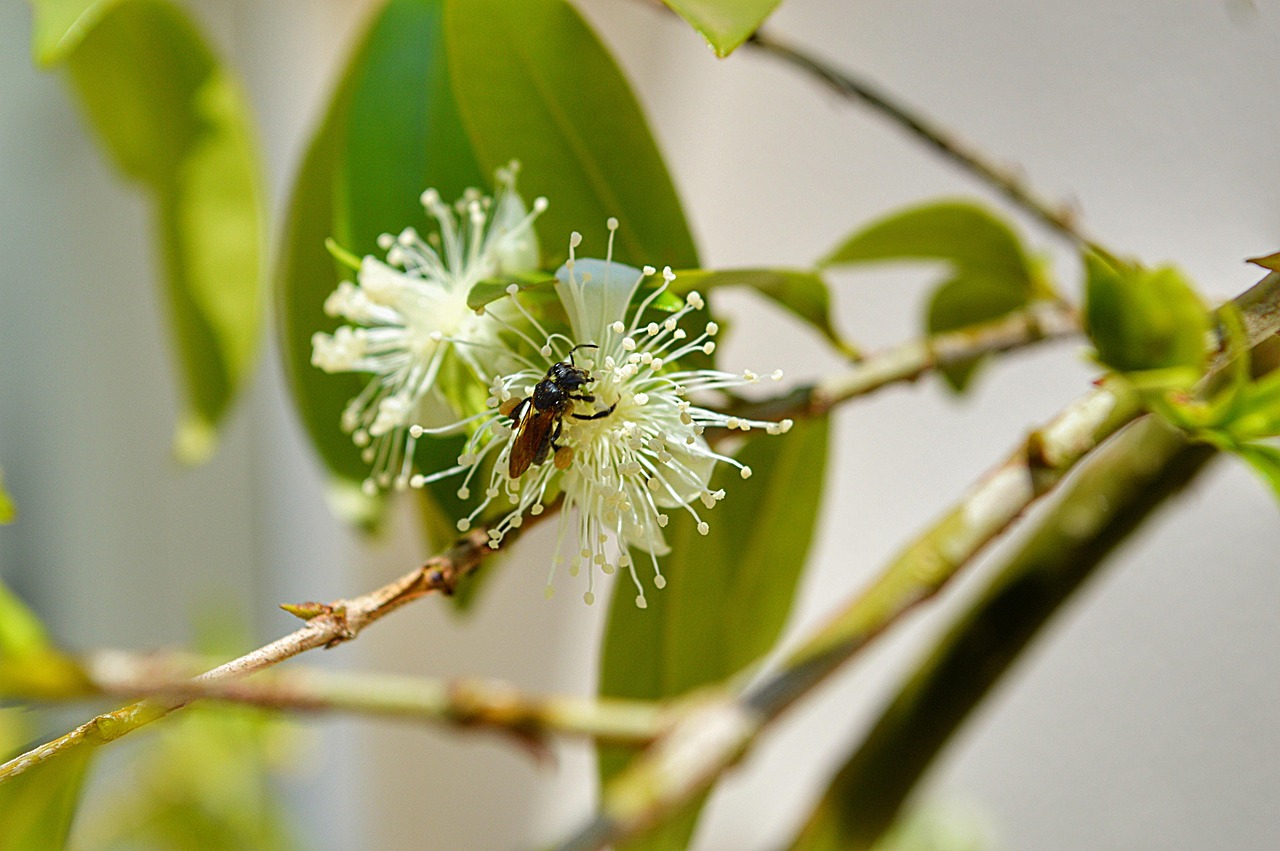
714	736
1060	218
466	703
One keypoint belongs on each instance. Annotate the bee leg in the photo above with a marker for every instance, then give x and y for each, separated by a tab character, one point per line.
564	457
598	415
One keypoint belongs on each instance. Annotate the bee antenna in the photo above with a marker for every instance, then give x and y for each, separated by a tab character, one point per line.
580	346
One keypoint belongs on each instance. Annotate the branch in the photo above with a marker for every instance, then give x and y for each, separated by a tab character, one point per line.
1059	218
328	624
907	362
705	742
466	703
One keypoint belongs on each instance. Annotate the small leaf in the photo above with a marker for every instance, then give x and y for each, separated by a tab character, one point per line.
1269	261
30	667
725	24
963	234
964	301
802	292
1141	319
7	511
38	806
728	593
534	83
172	118
1265	460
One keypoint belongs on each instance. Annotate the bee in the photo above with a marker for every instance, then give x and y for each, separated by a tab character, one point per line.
539	419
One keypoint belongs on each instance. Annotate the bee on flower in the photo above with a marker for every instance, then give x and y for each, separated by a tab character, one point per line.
615	430
409	316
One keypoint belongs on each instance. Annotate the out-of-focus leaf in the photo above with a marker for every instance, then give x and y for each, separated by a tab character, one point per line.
725	24
728	593
1140	319
7	511
38	806
800	291
1265	460
991	273
1269	261
967	236
391	130
965	301
534	83
172	118
30	667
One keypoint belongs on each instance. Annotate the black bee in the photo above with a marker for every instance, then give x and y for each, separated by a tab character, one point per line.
539	419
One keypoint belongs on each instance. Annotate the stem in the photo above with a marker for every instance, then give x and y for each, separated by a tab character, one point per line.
1129	480
1059	218
706	741
468	703
328	624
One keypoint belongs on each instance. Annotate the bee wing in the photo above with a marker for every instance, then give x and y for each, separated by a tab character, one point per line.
532	432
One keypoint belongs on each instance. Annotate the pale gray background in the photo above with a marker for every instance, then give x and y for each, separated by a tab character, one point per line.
1147	717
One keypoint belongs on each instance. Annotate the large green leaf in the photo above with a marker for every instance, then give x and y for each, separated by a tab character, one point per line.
728	593
725	24
991	274
172	118
800	291
391	131
534	83
1143	319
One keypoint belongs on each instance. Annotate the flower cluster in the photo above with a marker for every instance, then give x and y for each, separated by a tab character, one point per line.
598	411
632	448
409	315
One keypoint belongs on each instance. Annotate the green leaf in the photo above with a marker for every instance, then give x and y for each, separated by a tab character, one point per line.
30	667
991	273
725	24
487	292
967	236
963	301
728	593
38	806
173	119
7	511
534	83
800	291
391	131
1270	261
1141	319
1265	460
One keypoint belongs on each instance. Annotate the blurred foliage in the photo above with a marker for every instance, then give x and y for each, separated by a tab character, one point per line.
7	511
990	273
725	24
171	117
802	292
728	593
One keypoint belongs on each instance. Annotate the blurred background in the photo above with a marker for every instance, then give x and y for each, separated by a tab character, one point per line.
1144	718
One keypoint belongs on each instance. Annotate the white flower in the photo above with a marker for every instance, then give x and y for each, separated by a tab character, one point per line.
410	312
637	449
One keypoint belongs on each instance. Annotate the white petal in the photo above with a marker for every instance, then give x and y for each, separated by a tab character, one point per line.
597	293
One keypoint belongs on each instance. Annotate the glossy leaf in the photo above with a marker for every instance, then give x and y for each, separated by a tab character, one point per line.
391	131
1140	319
728	593
535	84
38	806
173	119
725	24
802	292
